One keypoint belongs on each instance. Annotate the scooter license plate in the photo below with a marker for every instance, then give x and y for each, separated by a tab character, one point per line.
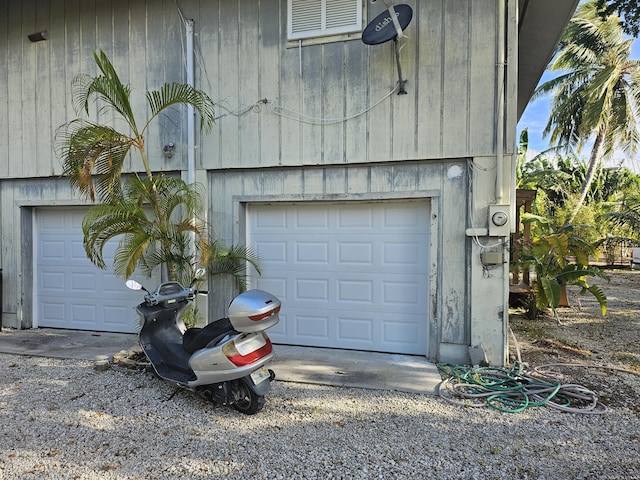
260	375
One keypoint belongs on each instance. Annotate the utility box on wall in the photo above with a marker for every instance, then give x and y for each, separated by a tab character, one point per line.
499	221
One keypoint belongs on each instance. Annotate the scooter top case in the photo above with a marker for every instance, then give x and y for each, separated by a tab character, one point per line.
254	311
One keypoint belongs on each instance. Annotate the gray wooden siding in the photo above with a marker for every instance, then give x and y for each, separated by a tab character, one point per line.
449	61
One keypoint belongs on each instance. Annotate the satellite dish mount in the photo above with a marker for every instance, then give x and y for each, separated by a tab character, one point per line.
389	25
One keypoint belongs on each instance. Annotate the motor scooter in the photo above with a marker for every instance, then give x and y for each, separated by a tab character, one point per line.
226	360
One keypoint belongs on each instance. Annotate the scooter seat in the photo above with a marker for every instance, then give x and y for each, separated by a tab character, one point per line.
196	338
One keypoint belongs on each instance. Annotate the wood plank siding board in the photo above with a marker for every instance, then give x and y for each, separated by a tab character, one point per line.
228	70
15	85
430	81
482	73
271	30
4	91
333	85
249	81
29	91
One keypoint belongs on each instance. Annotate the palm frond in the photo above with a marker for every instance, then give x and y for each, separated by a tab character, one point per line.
105	222
183	94
131	249
89	149
232	261
107	88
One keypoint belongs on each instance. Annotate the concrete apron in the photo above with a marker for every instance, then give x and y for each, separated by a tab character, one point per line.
322	366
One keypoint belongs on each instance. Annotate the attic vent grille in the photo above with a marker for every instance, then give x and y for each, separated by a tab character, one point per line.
317	18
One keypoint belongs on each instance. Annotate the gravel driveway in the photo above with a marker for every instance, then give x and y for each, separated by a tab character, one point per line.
63	419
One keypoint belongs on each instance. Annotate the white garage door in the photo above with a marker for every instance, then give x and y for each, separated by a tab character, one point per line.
350	275
71	292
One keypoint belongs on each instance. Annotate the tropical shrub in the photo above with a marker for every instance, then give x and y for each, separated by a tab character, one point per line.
558	258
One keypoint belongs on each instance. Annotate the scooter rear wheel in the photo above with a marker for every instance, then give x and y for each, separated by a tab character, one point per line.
248	402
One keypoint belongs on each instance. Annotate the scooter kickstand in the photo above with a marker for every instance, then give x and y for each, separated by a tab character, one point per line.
175	392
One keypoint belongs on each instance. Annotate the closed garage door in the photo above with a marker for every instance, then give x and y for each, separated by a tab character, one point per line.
71	292
350	275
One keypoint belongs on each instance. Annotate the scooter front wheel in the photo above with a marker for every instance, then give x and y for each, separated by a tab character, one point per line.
247	401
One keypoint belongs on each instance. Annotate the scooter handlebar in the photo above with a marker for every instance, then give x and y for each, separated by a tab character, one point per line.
169	291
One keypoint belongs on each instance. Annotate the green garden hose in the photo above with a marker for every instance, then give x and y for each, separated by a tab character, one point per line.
513	390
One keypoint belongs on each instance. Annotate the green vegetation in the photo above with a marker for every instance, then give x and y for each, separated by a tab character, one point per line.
596	97
559	258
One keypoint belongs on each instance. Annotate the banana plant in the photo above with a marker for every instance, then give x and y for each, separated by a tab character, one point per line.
558	258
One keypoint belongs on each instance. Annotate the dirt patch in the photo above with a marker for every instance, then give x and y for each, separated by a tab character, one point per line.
600	353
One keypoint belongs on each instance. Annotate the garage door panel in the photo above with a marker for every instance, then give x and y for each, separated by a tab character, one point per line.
52	281
52	250
355	329
272	252
312	327
355	253
356	276
315	253
355	291
117	317
54	310
78	252
311	219
273	219
355	218
402	293
275	285
83	314
312	290
400	253
83	282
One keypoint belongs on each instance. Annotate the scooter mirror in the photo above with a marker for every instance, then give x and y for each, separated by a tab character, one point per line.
133	285
200	272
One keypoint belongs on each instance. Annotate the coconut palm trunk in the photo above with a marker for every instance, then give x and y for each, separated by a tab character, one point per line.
594	164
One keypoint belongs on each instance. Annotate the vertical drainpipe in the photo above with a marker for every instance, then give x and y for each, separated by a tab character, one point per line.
500	66
501	89
191	129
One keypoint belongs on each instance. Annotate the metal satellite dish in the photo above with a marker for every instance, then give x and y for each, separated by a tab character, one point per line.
384	28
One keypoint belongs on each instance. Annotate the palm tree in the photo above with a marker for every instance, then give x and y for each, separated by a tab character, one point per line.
627	217
157	217
598	94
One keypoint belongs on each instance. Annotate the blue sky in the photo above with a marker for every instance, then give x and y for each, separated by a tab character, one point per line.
536	115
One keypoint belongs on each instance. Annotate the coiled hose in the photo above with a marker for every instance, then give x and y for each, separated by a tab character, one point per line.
513	390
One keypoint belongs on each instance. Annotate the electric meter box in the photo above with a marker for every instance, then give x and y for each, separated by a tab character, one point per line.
499	225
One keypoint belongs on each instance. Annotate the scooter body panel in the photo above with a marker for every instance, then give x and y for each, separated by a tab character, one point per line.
161	340
211	365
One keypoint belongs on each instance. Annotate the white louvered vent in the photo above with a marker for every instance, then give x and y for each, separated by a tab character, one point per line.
317	18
